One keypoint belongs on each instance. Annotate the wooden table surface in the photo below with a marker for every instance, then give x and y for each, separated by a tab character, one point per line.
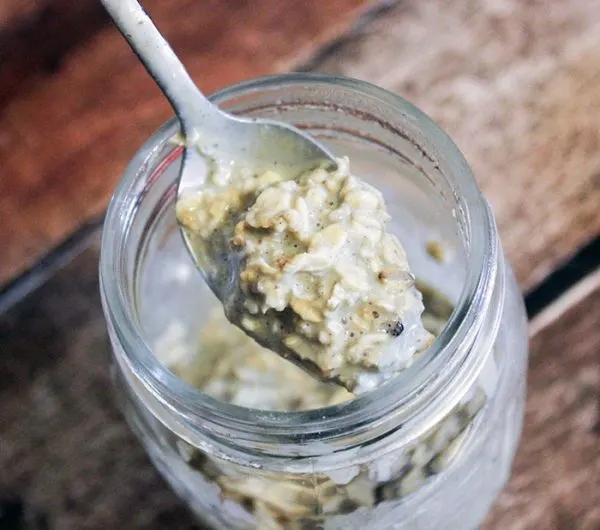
516	84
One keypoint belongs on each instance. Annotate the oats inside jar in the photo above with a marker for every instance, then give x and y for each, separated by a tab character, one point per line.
228	365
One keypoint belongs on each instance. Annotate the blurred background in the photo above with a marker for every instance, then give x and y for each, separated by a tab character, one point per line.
516	83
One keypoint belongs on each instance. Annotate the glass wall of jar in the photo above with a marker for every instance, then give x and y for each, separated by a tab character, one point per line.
432	448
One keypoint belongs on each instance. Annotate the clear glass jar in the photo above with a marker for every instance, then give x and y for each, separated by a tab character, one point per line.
429	450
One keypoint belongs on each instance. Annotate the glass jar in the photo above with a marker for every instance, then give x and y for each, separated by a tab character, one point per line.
432	448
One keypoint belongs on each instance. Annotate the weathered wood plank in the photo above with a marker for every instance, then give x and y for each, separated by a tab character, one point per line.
66	454
35	37
515	84
555	483
76	103
16	13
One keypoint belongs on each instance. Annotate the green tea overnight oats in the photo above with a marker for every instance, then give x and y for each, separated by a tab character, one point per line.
356	376
320	278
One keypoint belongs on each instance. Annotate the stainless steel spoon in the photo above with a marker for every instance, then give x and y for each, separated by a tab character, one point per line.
221	138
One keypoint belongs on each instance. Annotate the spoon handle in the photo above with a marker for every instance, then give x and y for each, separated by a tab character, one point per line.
190	105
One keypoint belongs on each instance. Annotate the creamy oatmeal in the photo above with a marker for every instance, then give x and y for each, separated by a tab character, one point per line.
232	367
318	278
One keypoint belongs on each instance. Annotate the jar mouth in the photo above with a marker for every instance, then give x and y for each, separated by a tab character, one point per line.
396	399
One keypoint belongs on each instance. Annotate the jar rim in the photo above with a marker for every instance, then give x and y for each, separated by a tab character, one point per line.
387	403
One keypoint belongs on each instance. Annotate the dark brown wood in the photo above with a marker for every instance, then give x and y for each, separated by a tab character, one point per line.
515	84
35	37
67	458
516	87
16	13
75	103
556	477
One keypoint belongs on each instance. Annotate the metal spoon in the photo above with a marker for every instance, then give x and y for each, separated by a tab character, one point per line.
220	138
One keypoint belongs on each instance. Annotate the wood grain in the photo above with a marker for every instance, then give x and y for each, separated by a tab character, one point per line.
17	13
66	455
75	104
515	84
36	36
556	477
